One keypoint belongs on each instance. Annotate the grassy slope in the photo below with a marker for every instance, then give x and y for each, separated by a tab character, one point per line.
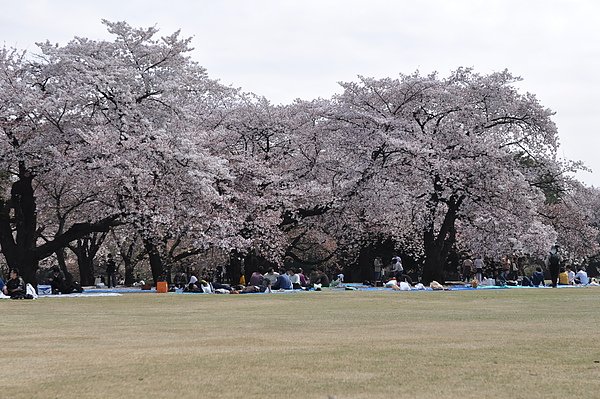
504	343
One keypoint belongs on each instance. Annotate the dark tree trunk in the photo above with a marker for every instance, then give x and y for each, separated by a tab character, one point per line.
7	243
85	261
131	253
86	270
20	250
86	249
156	263
129	262
364	271
433	269
129	274
62	265
437	246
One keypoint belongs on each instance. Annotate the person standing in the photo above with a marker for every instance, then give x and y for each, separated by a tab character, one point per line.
377	266
479	265
111	271
271	275
397	269
553	264
467	270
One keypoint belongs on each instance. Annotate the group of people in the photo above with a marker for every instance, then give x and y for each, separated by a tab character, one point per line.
395	270
475	269
291	279
508	273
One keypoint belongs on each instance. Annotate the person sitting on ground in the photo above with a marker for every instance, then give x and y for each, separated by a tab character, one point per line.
250	289
283	282
581	277
563	277
324	279
313	277
256	279
271	275
180	280
266	287
537	277
195	285
15	286
339	281
570	275
220	286
303	279
193	280
57	282
391	283
405	278
98	283
295	279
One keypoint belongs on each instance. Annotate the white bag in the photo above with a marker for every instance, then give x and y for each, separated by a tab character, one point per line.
31	291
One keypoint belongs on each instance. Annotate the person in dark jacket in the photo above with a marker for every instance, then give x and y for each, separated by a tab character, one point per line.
15	286
283	282
111	270
553	264
537	277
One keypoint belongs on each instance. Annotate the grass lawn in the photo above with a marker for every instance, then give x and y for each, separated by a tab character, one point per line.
519	343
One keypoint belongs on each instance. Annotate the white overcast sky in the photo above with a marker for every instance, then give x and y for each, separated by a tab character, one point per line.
300	49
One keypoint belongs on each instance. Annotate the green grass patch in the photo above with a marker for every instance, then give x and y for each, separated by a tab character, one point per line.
470	344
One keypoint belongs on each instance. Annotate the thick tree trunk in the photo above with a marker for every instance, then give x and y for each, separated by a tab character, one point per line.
437	246
128	251
86	249
433	268
7	243
62	265
364	270
129	275
19	249
156	263
129	263
86	269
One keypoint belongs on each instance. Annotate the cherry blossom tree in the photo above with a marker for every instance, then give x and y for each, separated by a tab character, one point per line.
100	134
133	118
444	151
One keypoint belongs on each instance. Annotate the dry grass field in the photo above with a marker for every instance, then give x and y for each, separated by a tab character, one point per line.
519	343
